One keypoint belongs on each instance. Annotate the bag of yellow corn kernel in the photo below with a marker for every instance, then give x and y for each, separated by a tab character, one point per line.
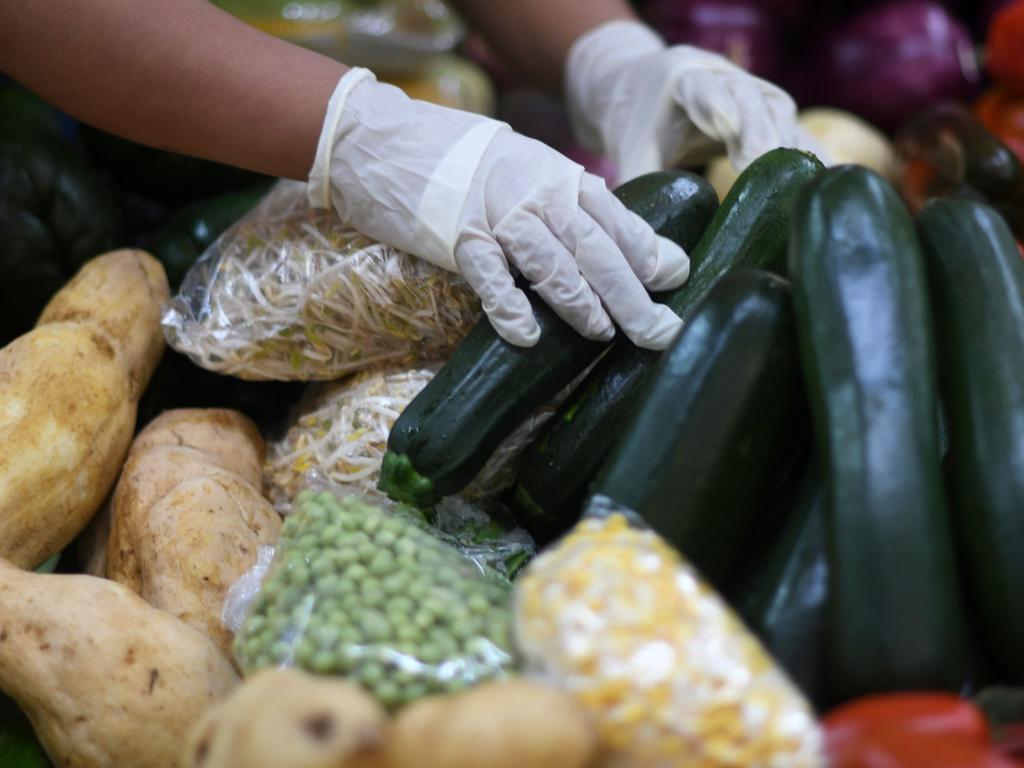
614	615
289	292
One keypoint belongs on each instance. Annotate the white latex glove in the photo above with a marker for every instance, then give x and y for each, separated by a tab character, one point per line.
649	107
470	195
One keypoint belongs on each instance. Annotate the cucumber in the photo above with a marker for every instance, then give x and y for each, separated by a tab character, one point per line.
704	443
895	619
750	229
489	387
783	597
976	278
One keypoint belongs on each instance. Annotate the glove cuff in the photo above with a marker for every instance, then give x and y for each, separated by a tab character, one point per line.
318	189
592	67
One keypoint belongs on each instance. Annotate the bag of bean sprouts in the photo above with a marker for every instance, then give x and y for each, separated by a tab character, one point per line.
289	292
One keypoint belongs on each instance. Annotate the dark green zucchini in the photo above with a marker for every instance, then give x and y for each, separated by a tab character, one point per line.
895	619
489	387
706	439
977	289
195	227
783	597
750	229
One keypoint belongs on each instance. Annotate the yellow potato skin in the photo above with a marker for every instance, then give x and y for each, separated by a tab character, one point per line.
68	399
188	516
107	680
286	718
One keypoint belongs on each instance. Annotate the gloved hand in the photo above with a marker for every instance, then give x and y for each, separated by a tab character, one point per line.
470	195
648	106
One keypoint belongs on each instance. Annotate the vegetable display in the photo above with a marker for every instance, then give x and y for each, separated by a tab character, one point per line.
492	387
977	280
896	619
188	516
376	597
132	679
67	407
716	423
748	230
664	667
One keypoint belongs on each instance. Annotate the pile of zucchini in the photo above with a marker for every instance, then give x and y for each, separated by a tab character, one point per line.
835	438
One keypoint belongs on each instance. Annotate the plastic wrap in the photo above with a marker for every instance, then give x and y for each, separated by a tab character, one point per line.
290	293
341	431
375	596
671	676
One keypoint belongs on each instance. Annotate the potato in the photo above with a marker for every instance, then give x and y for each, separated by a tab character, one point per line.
68	392
107	680
188	517
285	718
512	723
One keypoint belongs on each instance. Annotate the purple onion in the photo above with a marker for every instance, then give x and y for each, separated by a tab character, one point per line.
745	31
889	62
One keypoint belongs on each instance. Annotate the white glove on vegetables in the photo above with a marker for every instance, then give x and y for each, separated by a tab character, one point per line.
648	106
472	196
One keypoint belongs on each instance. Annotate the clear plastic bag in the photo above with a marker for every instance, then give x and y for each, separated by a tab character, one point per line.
377	597
614	615
290	293
341	430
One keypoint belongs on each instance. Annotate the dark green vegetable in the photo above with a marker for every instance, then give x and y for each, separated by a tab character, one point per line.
195	227
783	597
489	387
895	618
977	289
711	428
945	150
19	747
749	230
55	212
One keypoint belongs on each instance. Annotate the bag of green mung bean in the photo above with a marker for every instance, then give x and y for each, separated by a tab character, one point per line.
374	596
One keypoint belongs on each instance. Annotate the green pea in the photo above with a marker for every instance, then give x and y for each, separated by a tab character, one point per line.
382	563
370	674
478	604
356	572
323	662
281	651
385	538
304	652
367	551
388	693
393	525
423	618
325	635
372	523
327	498
374	596
405	631
349	635
356	539
349	524
405	546
400	602
430	653
408	563
375	626
455	684
309	542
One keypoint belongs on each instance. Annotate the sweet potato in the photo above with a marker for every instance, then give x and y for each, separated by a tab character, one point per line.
286	718
107	680
68	394
188	517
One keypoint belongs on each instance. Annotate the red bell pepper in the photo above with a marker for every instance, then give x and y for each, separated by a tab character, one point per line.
913	730
1002	112
1005	46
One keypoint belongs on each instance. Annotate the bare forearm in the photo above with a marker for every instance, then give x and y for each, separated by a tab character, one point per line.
177	74
534	36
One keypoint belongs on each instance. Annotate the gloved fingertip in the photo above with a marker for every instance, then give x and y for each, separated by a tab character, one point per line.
520	334
673	267
663	329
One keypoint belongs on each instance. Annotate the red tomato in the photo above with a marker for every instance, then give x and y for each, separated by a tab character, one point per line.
911	730
1002	112
1005	46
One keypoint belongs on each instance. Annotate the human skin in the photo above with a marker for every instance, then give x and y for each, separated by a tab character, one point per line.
185	76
